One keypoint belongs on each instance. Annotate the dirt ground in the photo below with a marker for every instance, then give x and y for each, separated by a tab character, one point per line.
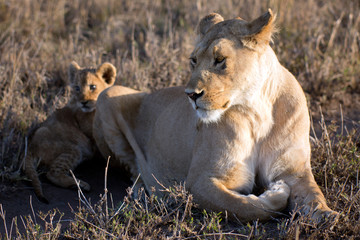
16	199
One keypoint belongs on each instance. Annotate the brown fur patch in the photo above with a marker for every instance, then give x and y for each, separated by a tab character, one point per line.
65	139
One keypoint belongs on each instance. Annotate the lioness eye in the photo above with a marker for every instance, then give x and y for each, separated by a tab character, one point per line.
92	87
193	61
77	88
219	60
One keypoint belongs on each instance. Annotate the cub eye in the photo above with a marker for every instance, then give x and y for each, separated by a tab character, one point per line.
193	61
77	88
92	87
219	60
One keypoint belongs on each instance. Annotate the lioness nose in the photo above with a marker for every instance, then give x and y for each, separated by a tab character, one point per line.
194	95
84	102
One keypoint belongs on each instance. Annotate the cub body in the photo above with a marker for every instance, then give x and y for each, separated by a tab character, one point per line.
65	138
242	128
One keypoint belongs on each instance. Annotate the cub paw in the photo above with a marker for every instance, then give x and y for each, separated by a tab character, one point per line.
84	186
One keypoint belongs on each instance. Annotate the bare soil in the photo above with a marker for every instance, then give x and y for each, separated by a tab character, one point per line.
19	199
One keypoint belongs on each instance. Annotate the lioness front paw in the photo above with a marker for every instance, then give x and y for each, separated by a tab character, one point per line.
279	186
322	216
277	195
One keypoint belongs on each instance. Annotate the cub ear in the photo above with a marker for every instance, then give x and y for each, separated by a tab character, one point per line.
261	29
107	71
207	22
73	68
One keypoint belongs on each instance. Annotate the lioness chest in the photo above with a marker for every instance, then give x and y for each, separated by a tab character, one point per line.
176	144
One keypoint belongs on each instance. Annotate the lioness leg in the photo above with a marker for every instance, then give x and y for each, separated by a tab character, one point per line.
59	170
100	139
117	108
306	195
212	194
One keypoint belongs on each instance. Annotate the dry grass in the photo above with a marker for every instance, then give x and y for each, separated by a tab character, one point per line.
149	42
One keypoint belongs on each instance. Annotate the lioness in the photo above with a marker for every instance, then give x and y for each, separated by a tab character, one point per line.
65	139
243	125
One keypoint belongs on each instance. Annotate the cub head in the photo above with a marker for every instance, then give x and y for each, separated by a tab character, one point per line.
227	64
88	83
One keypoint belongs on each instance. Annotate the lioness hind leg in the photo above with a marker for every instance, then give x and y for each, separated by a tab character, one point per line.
100	139
59	170
117	109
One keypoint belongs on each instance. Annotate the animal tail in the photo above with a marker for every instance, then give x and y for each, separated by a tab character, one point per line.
139	155
31	173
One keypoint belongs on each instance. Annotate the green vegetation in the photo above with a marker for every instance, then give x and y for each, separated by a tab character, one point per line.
149	42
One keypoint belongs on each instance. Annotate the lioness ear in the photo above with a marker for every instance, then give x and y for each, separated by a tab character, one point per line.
260	30
207	22
72	70
107	71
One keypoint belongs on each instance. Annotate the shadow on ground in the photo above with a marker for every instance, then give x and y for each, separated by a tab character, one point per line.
17	200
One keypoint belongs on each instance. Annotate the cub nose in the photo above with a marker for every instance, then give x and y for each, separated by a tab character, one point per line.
194	95
84	102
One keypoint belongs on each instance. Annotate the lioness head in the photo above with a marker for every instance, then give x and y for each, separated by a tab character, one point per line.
88	83
228	63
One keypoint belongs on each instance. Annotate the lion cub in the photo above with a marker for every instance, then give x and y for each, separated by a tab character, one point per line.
65	139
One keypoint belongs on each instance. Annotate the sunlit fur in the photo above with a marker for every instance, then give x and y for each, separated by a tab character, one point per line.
246	127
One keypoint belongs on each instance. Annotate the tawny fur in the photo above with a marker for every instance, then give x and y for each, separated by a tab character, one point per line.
243	126
65	139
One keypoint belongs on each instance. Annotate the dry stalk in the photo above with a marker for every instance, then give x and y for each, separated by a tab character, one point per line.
2	215
82	197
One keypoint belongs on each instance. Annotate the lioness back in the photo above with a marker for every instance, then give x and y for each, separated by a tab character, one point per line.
65	138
